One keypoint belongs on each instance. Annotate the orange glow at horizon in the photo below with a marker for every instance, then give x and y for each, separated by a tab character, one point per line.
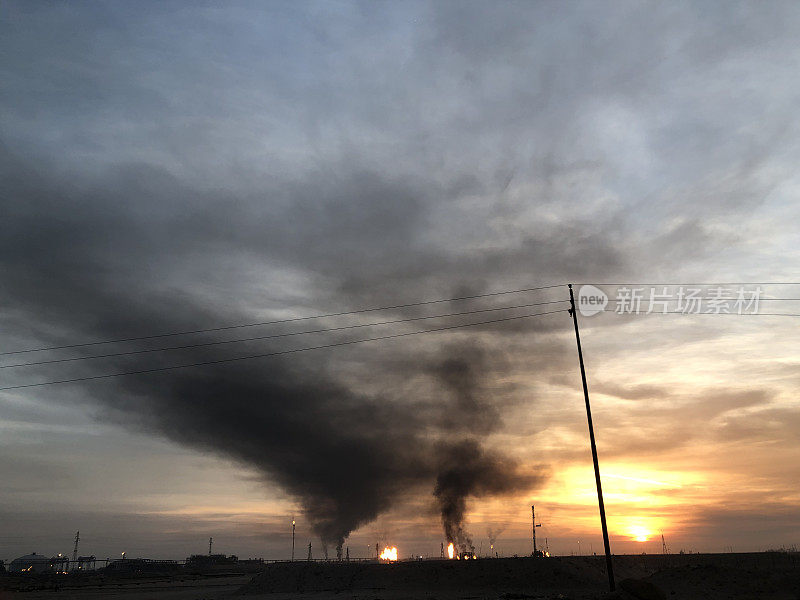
389	554
451	550
639	533
641	499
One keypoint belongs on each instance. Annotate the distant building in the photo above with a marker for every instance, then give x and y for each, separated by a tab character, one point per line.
250	565
211	562
142	565
85	563
38	563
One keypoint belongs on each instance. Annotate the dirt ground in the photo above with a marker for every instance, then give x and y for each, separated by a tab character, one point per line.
159	588
762	576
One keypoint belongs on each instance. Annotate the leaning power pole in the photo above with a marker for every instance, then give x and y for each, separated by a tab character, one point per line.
609	565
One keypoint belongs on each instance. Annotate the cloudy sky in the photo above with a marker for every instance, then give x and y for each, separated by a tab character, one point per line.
169	167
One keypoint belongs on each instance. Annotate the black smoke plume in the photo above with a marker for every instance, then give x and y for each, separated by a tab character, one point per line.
468	470
140	254
465	467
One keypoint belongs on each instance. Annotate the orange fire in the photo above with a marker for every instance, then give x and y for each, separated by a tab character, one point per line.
389	554
451	551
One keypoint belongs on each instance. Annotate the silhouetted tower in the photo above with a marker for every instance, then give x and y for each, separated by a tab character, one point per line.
210	541
663	545
347	555
75	550
533	528
309	551
442	554
377	552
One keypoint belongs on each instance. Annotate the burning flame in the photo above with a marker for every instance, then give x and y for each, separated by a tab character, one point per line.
389	554
451	551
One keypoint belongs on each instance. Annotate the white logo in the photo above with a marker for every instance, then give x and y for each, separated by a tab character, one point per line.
591	300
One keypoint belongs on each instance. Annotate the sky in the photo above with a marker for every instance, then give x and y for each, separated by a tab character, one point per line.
175	166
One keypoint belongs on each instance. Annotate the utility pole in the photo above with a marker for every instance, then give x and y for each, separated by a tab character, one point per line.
210	541
609	565
309	551
663	545
533	529
292	540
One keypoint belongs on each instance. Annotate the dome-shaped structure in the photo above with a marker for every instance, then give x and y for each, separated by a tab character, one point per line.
37	563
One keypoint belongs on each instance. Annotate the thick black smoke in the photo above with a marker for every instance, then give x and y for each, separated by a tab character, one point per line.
466	468
469	470
346	434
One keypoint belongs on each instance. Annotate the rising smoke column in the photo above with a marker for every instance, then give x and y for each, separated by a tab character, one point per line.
465	467
69	261
469	470
454	483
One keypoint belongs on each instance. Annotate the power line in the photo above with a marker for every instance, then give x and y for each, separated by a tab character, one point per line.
687	298
364	310
274	335
679	312
277	321
713	283
664	298
276	353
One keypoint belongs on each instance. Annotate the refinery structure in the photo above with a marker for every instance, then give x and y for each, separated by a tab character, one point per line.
61	564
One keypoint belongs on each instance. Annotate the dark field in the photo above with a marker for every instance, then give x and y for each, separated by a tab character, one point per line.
691	576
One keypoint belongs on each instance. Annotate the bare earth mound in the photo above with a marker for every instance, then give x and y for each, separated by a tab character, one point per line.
762	576
491	578
689	577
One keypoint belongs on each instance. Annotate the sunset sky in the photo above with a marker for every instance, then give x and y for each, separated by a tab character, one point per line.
174	166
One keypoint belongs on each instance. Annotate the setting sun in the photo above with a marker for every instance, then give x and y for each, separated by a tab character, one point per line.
639	533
